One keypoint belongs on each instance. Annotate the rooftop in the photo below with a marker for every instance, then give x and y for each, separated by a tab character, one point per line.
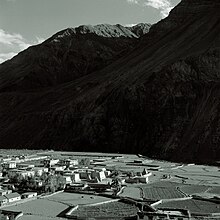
12	195
29	193
2	198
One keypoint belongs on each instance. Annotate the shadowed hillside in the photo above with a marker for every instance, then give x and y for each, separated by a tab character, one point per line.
160	98
68	55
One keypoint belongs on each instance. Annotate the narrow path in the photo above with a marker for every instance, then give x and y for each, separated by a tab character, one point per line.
183	193
142	195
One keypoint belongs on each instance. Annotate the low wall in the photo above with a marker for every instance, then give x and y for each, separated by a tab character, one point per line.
19	202
45	196
176	199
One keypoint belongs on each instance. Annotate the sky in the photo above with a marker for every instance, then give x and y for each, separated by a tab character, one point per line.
28	22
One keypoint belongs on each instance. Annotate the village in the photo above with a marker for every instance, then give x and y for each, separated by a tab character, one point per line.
87	184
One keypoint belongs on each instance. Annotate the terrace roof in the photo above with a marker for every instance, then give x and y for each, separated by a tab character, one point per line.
12	195
29	193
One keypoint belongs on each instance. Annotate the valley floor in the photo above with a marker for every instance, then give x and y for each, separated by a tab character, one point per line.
175	186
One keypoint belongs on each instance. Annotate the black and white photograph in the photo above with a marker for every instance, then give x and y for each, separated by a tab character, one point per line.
110	109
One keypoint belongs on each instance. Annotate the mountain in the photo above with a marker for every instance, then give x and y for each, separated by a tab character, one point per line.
68	55
140	29
159	98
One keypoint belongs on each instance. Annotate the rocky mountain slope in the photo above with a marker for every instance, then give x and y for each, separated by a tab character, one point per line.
161	99
68	55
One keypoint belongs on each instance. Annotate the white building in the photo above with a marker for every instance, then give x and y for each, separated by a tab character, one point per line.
69	162
4	192
6	159
32	158
10	165
67	179
50	162
75	177
3	200
98	174
58	168
29	195
12	197
84	173
24	165
140	177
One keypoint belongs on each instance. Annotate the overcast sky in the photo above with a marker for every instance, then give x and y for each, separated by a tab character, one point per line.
27	22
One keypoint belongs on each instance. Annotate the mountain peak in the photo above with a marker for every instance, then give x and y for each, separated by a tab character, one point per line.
105	30
69	54
185	13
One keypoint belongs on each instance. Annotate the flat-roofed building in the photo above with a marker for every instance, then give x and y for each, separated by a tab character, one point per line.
24	165
29	195
4	192
50	162
10	165
58	168
69	162
84	173
12	197
98	174
75	177
140	177
3	200
67	179
6	159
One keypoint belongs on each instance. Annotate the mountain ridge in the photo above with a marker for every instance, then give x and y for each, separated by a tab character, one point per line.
67	55
107	30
